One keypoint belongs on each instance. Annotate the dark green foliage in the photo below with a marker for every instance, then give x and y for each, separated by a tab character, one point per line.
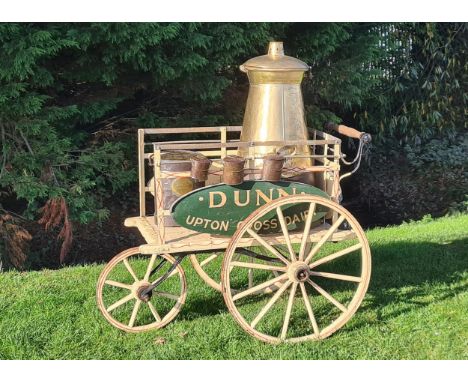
340	59
423	89
63	85
418	117
73	94
408	183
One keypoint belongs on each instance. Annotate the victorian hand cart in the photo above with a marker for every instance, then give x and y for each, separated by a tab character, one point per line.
258	216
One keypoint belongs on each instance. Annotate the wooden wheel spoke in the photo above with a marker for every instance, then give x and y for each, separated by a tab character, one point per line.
305	296
259	287
337	276
330	298
325	237
287	316
120	302
134	313
150	267
270	303
118	284
154	311
208	259
167	295
305	235
284	228
173	273
268	246
336	255
258	266
250	274
130	269
234	258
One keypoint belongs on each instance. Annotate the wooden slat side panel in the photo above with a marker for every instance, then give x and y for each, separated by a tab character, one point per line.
195	145
185	130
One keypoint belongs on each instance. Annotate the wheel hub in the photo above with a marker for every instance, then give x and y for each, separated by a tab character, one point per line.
138	289
298	271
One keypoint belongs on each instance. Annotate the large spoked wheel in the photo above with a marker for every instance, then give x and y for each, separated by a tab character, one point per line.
121	291
320	280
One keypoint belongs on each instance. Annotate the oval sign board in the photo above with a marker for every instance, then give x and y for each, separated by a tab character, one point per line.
219	209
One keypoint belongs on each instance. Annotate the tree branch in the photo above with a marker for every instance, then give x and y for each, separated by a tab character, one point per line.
32	153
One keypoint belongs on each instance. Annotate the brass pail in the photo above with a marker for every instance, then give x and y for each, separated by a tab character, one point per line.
233	170
272	167
200	168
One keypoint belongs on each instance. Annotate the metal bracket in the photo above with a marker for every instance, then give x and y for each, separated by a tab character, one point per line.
159	281
252	254
363	141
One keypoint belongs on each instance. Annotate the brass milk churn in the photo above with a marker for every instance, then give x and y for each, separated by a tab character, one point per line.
275	109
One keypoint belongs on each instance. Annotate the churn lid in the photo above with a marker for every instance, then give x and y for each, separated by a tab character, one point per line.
275	61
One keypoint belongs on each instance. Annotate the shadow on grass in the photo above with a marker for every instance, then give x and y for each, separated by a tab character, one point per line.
197	307
404	275
414	275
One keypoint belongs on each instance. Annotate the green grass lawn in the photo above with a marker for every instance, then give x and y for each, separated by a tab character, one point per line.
416	308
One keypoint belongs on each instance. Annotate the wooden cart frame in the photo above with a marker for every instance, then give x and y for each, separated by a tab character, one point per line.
292	271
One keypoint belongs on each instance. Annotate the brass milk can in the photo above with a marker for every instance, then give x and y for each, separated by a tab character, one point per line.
275	109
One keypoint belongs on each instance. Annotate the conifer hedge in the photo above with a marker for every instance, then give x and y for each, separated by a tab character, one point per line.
73	94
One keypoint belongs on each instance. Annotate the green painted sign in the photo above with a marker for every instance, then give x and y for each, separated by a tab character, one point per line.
219	209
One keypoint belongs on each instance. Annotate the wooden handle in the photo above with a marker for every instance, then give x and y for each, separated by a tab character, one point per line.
345	130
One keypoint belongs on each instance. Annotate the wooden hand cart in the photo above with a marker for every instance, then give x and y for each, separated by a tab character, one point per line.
301	281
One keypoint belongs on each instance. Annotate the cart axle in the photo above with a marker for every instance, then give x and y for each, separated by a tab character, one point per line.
298	271
143	294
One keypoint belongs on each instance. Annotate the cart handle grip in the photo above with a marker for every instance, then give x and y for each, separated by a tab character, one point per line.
349	131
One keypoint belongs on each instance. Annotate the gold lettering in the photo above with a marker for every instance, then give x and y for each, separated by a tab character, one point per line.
225	225
257	225
222	195
265	198
274	223
281	192
237	199
296	219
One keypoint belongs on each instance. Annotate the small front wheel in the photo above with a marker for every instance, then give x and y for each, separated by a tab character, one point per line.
122	291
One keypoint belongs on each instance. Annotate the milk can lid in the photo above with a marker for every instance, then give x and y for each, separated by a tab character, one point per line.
275	61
